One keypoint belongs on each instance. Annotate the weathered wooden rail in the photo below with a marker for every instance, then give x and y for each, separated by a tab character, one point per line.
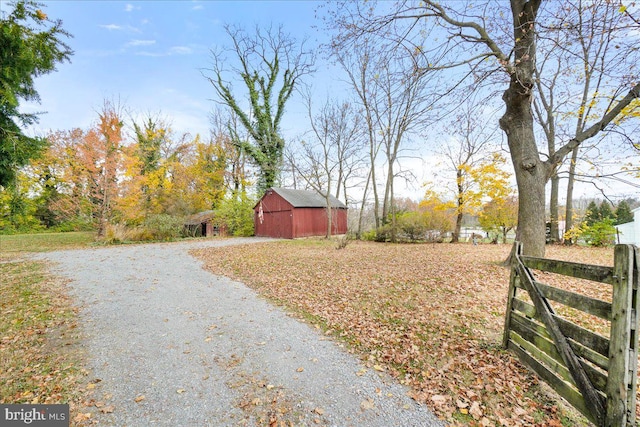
595	374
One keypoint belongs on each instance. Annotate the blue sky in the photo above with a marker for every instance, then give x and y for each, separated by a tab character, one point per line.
150	55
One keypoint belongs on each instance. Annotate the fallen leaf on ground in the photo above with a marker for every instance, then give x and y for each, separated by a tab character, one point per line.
439	399
475	410
367	404
430	315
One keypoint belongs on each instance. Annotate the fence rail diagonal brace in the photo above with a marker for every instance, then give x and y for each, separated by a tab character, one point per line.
591	396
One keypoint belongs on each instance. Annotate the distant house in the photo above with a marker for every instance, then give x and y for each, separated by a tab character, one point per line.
629	233
203	224
287	213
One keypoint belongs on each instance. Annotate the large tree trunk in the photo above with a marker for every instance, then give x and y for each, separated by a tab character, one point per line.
517	123
531	175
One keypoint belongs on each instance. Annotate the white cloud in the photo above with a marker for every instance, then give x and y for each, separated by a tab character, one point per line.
128	7
111	27
116	27
176	50
180	50
141	42
197	7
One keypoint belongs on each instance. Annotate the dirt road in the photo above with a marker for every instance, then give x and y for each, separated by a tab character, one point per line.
170	344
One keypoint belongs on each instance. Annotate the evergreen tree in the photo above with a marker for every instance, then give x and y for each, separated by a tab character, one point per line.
623	213
605	211
593	214
30	46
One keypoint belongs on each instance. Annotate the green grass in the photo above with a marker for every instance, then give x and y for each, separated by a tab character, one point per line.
13	245
37	360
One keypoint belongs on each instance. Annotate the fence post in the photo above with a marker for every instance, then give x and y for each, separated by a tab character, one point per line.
515	250
633	342
619	346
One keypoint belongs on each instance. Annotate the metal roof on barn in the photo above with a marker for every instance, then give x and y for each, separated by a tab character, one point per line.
307	199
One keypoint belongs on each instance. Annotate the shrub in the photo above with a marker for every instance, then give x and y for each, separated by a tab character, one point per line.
140	234
412	226
601	233
154	228
342	241
162	227
236	212
369	236
115	233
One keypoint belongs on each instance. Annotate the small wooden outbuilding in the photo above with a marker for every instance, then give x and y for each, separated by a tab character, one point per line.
204	224
287	213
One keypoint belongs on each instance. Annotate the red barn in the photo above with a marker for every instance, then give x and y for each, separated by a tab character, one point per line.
286	213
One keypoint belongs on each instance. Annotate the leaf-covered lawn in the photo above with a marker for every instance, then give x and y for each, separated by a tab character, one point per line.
39	359
430	315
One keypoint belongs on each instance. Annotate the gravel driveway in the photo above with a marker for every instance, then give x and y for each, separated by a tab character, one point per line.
170	344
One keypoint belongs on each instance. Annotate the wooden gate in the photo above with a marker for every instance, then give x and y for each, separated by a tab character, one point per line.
595	374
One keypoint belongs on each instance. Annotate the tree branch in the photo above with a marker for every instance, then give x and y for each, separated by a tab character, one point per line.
594	129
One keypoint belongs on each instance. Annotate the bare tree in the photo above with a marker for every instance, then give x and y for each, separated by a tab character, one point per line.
360	68
223	126
327	161
582	48
395	97
270	64
471	36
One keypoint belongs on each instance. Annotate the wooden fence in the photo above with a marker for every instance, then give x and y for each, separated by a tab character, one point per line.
597	375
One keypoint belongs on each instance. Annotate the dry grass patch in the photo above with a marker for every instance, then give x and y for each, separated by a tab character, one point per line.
431	315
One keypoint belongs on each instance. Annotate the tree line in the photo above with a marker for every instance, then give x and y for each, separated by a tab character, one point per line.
148	179
419	74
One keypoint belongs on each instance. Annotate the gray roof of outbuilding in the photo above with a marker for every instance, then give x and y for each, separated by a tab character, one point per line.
200	217
307	199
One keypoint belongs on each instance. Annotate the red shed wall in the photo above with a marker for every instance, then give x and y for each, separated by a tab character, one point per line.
277	217
281	220
313	222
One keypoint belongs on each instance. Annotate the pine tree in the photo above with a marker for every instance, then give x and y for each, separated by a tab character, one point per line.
593	214
30	46
605	211
623	213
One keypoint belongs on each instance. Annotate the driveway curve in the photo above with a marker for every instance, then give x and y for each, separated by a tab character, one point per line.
170	344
